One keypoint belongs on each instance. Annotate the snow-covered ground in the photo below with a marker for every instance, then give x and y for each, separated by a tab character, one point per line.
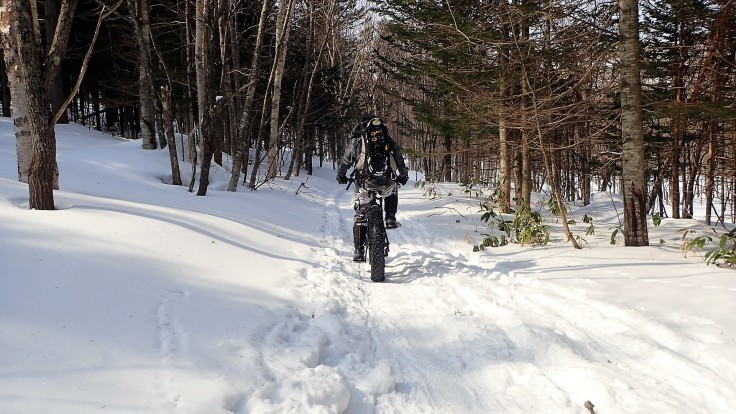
136	296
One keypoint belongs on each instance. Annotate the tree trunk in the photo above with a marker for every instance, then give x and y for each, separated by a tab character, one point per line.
303	148
168	123
41	171
693	172
554	174
447	159
21	120
201	52
242	143
51	9
657	186
710	173
633	157
505	165
582	131
678	129
257	158
139	13
4	85
675	175
301	99
283	28
504	152
193	136
526	164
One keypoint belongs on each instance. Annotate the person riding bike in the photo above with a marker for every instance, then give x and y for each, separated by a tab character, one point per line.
377	161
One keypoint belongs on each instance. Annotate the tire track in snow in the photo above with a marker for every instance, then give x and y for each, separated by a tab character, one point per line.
449	333
391	367
326	353
489	336
425	380
378	370
173	342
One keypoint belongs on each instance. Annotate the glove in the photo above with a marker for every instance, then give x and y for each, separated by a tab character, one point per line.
342	179
402	179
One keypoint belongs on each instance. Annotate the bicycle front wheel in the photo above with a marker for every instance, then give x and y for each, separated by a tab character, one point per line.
376	245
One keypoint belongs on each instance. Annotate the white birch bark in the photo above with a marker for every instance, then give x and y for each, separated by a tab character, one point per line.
283	28
30	63
19	102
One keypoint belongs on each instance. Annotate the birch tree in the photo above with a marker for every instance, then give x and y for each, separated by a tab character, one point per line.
23	146
33	71
633	158
283	29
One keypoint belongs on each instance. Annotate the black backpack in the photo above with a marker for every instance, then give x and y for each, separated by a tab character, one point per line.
375	151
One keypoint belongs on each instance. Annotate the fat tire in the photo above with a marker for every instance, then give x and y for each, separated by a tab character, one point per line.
376	245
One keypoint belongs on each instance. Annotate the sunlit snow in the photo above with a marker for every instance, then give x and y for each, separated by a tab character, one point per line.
136	296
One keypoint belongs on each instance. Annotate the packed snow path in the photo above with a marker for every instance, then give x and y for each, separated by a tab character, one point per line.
449	333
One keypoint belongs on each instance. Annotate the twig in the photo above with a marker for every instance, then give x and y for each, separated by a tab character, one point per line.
449	208
302	185
85	61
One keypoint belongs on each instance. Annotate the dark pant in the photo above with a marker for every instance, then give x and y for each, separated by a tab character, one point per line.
391	205
360	222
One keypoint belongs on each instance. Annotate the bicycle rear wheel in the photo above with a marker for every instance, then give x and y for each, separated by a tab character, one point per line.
376	244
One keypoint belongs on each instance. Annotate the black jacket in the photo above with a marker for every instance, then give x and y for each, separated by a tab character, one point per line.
352	153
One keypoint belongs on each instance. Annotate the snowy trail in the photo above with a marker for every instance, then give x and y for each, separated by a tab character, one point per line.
148	299
446	333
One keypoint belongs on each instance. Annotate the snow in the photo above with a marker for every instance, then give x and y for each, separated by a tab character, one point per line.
136	296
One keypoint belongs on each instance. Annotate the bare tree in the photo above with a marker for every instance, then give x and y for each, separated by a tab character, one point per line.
34	71
23	141
283	29
241	144
51	9
503	128
633	159
146	96
201	52
168	124
320	24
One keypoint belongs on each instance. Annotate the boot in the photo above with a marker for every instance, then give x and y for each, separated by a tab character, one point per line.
359	234
391	205
359	254
360	230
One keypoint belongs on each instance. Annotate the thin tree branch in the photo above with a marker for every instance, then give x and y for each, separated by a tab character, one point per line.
85	62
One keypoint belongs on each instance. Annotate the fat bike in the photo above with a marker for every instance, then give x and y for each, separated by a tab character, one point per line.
377	243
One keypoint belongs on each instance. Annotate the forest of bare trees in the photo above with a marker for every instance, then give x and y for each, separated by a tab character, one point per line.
532	92
562	96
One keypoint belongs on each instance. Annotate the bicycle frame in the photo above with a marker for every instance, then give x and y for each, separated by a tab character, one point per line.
376	236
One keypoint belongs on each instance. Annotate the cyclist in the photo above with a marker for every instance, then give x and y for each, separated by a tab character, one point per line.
378	163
